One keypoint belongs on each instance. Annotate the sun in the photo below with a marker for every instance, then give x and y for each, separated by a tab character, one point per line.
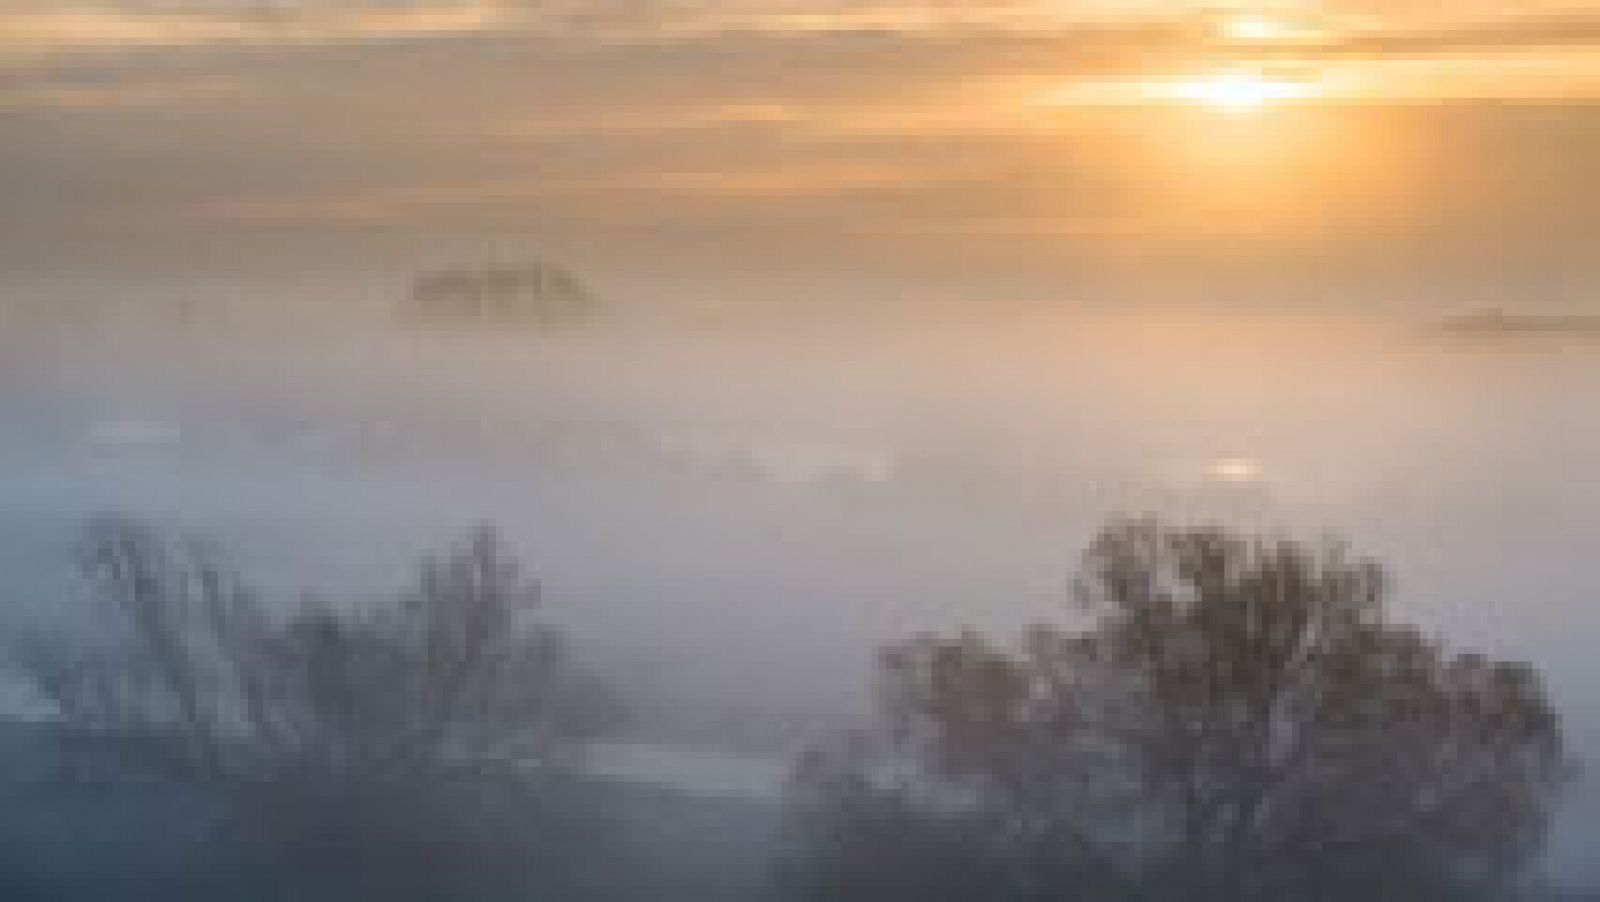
1238	92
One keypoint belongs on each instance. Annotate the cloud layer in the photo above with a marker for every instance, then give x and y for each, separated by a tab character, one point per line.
924	132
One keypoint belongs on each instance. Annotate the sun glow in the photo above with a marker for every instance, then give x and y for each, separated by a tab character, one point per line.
1238	92
1256	29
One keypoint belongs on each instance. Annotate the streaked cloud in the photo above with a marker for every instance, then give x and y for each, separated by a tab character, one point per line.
46	29
1061	39
1009	122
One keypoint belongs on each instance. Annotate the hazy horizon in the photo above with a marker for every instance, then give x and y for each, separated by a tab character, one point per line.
894	306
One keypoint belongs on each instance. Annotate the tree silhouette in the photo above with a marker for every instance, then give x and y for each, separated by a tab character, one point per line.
1240	723
378	748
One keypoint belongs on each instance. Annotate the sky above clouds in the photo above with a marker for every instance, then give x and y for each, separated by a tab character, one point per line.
1043	134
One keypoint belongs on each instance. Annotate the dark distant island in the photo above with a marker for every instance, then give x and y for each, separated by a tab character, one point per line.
537	294
1495	324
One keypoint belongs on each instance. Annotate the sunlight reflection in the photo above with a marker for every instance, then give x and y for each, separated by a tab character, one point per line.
1235	469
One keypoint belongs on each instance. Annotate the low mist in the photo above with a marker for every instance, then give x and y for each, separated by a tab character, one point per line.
731	506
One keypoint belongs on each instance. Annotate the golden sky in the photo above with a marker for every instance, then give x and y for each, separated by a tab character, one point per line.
1051	131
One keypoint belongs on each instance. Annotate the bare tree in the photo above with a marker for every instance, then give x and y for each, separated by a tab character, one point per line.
1241	723
335	735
